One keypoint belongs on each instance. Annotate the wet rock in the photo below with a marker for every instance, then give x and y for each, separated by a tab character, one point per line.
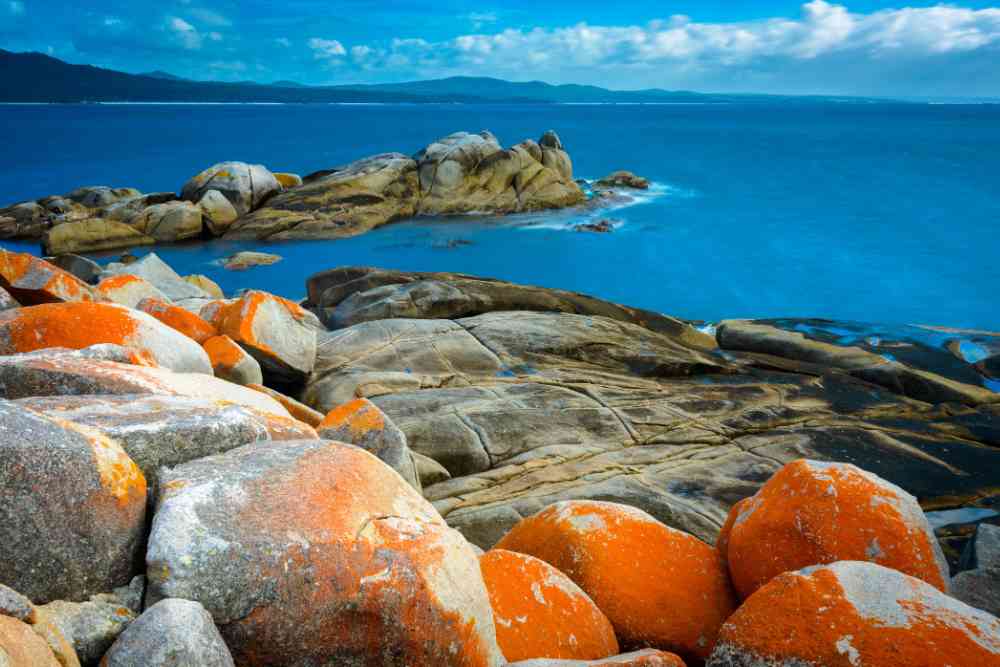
154	270
15	605
644	658
205	284
813	513
72	508
32	281
855	613
21	647
128	290
91	235
600	227
171	632
246	186
272	329
358	567
178	319
540	613
980	586
85	269
632	566
90	627
54	372
231	362
80	325
361	423
623	179
217	212
242	261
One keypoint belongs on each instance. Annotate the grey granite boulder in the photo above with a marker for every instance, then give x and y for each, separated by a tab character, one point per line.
246	186
980	586
15	605
72	508
90	626
171	633
83	268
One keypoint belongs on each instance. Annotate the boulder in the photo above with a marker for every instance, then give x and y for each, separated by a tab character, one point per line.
15	605
980	586
205	284
359	568
623	179
32	281
297	410
21	647
813	513
429	471
242	261
644	658
91	235
855	613
217	212
633	567
272	329
7	302
171	632
287	180
246	186
154	270
231	362
361	423
157	431
82	324
178	319
72	508
24	220
60	372
173	221
89	627
540	613
343	202
127	290
83	268
100	196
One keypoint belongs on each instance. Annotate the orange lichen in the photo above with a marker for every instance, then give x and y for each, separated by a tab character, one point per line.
722	541
658	586
810	514
34	281
808	619
646	658
70	325
224	353
238	319
299	411
179	319
119	281
120	476
540	613
360	416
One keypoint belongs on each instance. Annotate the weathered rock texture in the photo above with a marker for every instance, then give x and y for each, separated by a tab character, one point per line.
461	173
171	633
599	401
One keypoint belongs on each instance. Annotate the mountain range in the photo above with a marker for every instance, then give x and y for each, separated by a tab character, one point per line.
36	77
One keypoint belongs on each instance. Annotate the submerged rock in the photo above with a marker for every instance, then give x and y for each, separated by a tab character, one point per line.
242	261
623	179
600	227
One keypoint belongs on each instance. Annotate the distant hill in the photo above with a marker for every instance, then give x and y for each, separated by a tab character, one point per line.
35	77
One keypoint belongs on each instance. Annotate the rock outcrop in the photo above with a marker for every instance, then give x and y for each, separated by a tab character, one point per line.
246	186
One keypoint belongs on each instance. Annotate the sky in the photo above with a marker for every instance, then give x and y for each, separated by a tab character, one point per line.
851	47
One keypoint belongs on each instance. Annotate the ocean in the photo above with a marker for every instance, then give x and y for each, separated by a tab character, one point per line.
882	213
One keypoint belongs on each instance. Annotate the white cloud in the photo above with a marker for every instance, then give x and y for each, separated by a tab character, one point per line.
326	48
677	50
209	17
184	33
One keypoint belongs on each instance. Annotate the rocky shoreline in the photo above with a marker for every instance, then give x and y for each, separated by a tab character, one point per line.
461	174
175	487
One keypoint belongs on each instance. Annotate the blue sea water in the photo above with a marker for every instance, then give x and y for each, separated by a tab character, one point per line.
867	212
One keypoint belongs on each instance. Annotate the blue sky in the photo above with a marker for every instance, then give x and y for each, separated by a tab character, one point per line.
778	46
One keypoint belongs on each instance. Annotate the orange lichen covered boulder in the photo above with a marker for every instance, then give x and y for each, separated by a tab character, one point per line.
21	647
72	508
80	325
32	281
316	553
231	362
853	613
128	290
362	423
811	513
179	319
722	541
644	658
274	330
299	411
660	587
540	613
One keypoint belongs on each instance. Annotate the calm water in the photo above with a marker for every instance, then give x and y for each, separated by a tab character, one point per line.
858	212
